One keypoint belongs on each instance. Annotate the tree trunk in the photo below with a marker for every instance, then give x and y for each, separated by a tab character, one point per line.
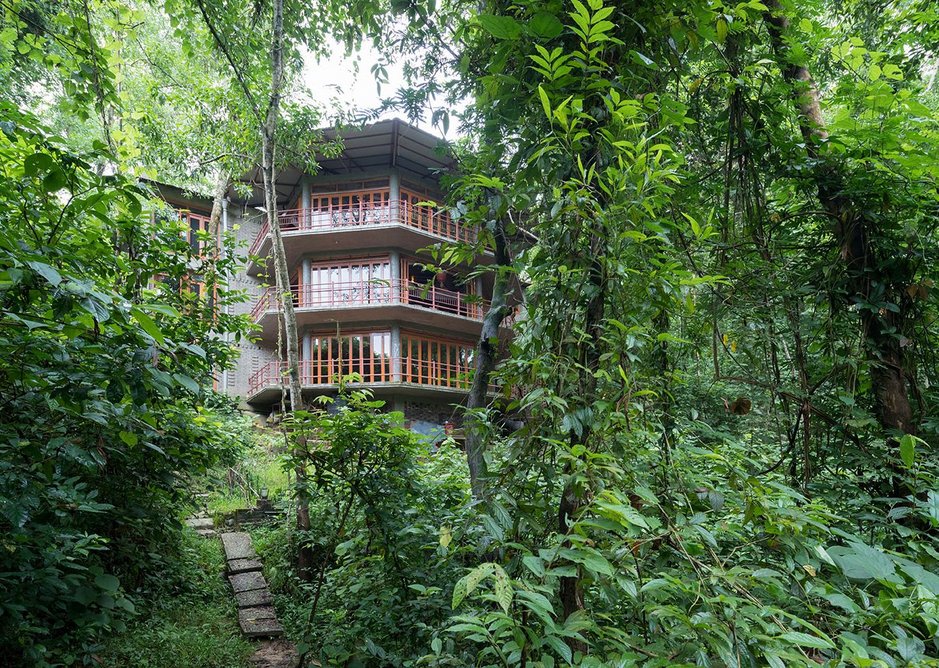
486	355
215	217
852	231
268	133
572	498
211	256
268	168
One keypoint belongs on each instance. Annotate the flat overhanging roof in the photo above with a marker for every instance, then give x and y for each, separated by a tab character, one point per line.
385	145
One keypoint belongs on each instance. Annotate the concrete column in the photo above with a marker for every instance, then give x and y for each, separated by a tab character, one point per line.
306	354
306	277
396	353
394	188
307	346
396	294
305	200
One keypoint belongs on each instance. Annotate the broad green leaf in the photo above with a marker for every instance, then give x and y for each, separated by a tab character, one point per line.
545	25
545	103
907	449
52	276
465	585
911	649
534	564
107	582
503	588
36	163
561	647
500	27
148	325
862	562
806	640
187	382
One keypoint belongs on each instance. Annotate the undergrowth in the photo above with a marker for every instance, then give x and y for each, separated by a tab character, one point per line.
191	621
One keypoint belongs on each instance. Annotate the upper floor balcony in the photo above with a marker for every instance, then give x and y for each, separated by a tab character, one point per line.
360	220
352	302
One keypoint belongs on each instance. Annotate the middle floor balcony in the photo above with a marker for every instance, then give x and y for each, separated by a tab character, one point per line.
380	300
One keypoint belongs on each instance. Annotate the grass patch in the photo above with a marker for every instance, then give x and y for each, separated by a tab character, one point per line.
192	622
239	486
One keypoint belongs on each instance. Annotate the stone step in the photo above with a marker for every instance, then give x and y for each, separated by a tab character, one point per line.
200	523
259	612
254	598
236	566
259	622
242	582
237	545
206	533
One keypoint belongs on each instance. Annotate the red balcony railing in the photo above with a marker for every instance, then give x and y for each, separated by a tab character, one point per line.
367	213
374	369
375	293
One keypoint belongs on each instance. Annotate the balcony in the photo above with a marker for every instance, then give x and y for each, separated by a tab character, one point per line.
422	376
370	301
402	223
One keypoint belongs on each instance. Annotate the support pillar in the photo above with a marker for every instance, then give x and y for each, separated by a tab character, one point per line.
396	353
306	356
394	194
396	282
306	278
307	346
305	201
225	309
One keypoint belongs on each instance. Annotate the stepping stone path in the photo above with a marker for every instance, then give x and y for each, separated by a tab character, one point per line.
256	615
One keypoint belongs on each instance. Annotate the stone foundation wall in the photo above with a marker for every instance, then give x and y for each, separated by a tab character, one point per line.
432	412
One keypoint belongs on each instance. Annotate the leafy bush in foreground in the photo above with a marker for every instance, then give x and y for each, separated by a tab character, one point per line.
101	421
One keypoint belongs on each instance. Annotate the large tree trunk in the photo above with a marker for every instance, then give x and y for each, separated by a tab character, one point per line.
268	133
486	356
852	231
268	169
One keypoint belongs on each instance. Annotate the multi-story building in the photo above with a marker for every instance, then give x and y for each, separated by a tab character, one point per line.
355	235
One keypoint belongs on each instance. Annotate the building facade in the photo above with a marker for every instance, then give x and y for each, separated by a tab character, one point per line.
356	236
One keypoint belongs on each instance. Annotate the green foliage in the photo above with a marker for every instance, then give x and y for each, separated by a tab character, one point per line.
102	422
719	564
705	474
189	618
381	505
258	467
714	290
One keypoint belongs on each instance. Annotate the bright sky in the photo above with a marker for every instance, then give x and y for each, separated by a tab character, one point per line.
347	83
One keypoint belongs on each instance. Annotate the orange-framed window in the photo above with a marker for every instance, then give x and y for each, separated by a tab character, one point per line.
196	223
365	353
428	360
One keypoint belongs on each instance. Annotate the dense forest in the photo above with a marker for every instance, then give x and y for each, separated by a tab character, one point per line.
712	436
